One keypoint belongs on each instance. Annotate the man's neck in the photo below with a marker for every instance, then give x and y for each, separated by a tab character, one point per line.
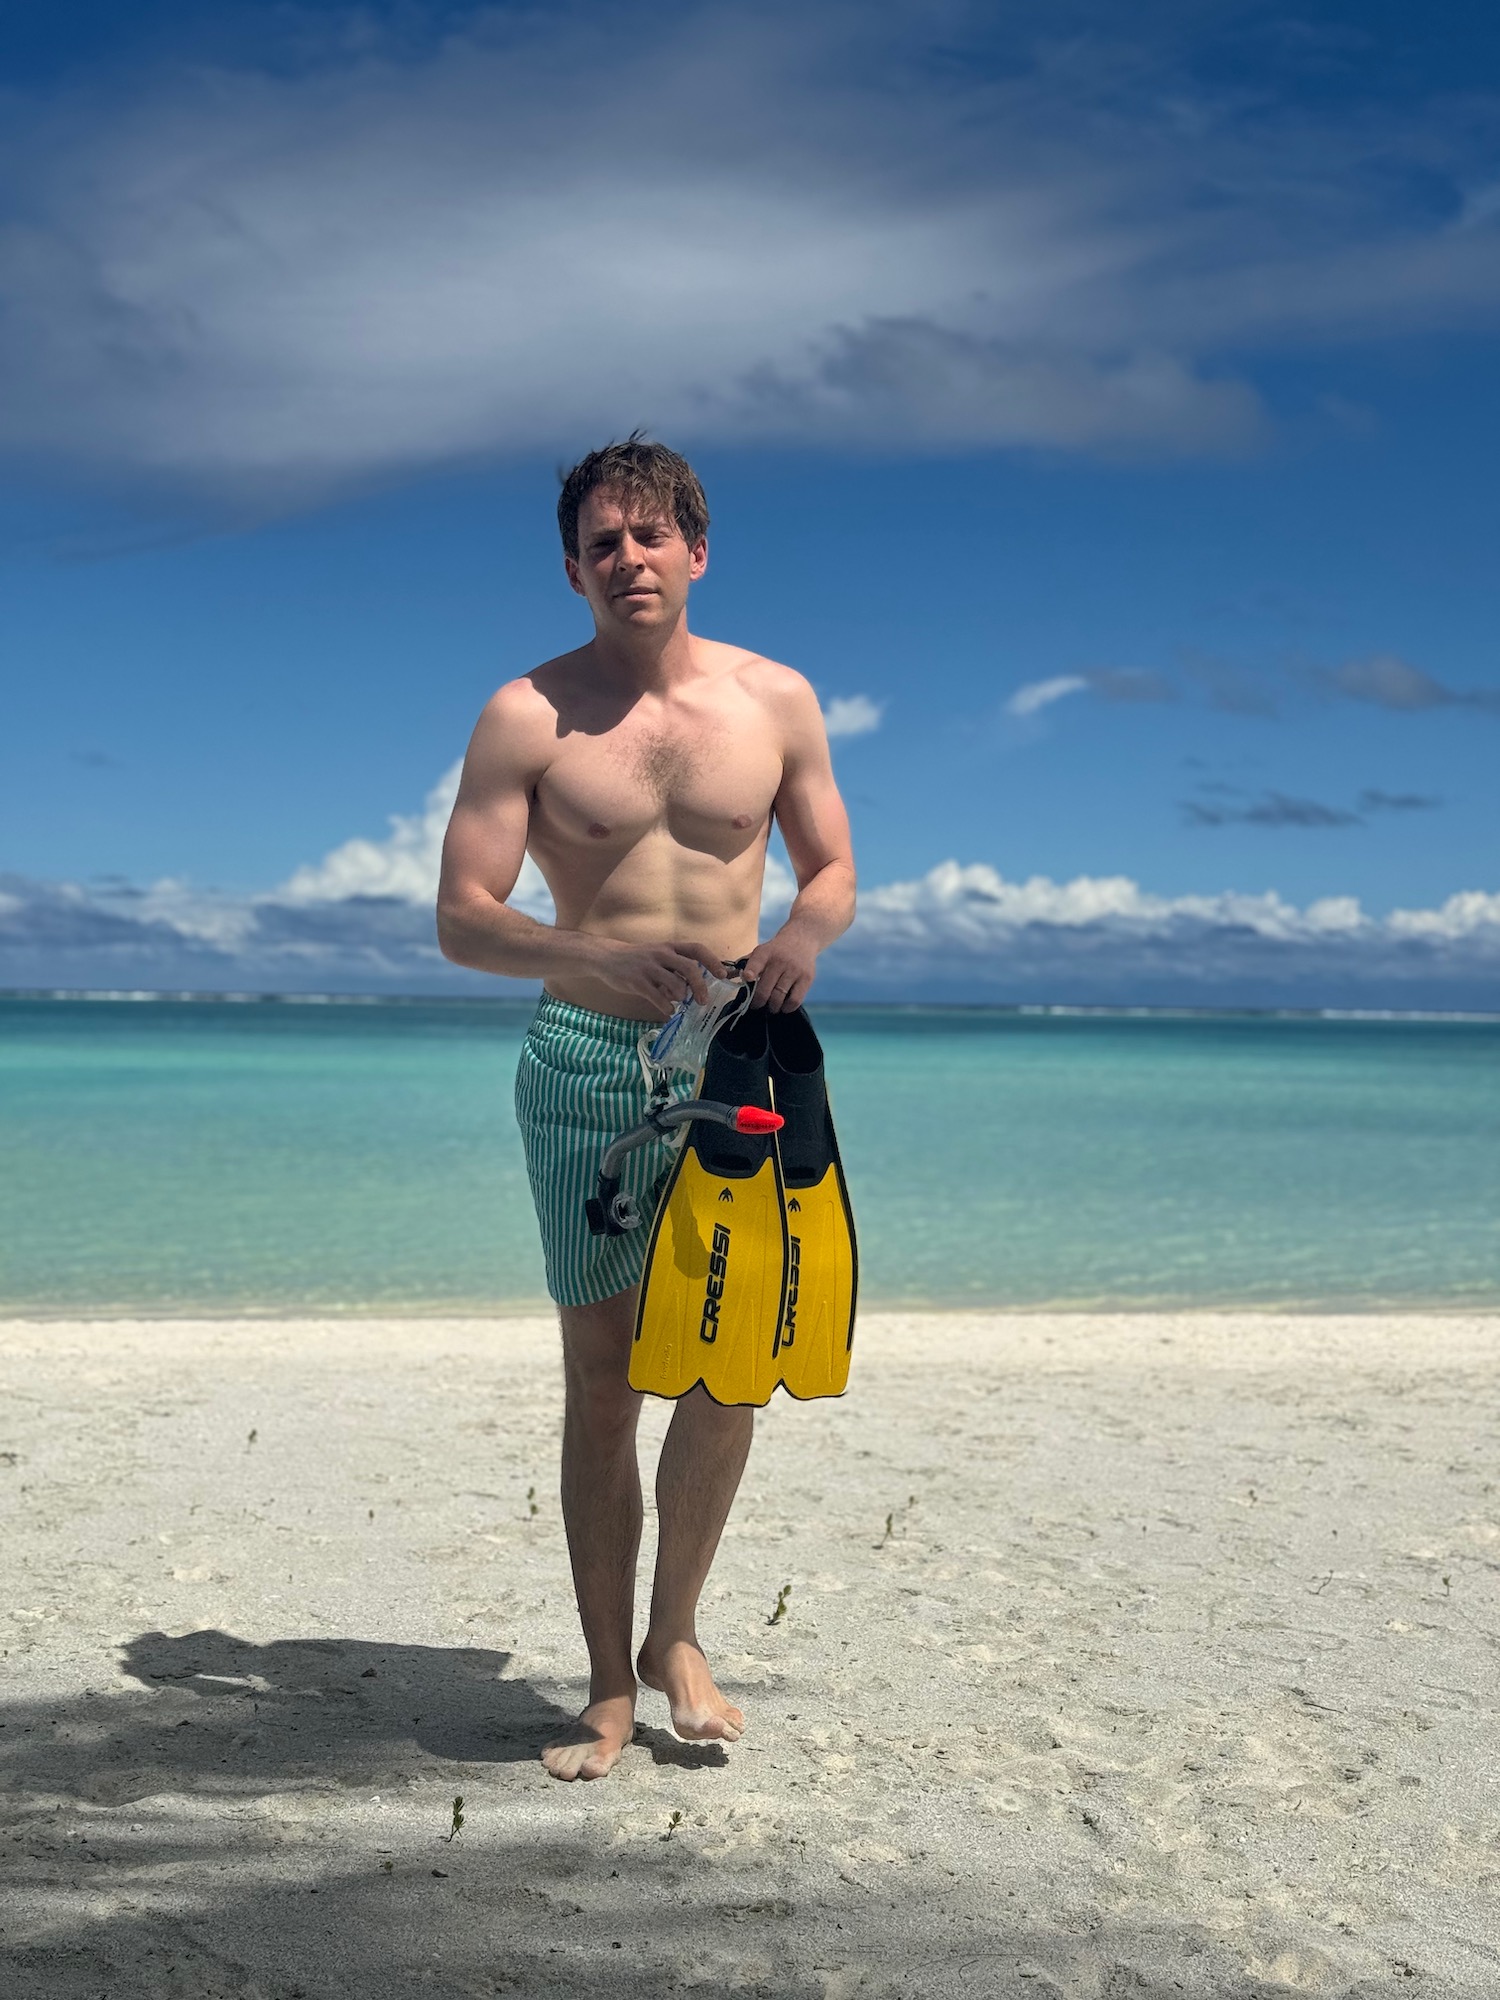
647	661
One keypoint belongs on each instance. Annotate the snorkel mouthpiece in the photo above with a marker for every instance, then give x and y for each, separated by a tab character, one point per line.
750	1118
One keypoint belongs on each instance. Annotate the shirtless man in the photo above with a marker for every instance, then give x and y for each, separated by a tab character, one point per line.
642	772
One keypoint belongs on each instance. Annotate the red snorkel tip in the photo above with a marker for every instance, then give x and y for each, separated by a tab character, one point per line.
750	1118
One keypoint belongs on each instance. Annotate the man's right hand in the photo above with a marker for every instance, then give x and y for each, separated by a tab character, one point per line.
659	973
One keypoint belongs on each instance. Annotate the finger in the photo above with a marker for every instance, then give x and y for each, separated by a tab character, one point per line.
701	955
701	961
692	979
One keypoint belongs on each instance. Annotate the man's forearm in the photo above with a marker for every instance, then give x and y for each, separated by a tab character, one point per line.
492	937
824	906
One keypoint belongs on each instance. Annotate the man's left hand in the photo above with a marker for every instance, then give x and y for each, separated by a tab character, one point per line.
783	969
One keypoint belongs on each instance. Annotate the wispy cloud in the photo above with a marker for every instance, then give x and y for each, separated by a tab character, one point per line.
1230	688
386	254
1037	695
1117	684
1272	809
852	715
1229	805
361	919
1382	680
1387	681
1398	802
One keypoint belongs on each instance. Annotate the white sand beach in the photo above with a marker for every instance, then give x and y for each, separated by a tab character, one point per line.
1122	1656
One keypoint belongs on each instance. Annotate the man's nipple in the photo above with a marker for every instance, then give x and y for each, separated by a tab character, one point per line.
598	832
741	821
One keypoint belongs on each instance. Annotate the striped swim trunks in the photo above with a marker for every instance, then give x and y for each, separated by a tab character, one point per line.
580	1084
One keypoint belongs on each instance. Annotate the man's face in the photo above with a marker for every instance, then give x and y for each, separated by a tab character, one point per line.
633	565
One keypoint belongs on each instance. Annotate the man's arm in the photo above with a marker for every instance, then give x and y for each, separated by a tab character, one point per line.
482	855
815	828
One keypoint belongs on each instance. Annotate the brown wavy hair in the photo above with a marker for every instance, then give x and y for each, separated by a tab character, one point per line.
638	468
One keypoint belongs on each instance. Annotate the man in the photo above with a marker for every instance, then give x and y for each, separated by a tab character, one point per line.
642	772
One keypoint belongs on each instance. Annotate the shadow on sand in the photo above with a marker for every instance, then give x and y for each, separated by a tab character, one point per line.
256	1876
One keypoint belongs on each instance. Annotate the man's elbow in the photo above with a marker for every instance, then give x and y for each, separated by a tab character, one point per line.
453	934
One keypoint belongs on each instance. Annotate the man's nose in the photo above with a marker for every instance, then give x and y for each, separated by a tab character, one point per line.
629	554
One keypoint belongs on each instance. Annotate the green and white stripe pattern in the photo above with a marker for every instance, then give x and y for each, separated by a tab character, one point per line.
580	1084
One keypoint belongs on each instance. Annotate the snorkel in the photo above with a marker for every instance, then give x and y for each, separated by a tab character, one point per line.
680	1043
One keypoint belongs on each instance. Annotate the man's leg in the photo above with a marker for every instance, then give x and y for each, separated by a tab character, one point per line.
601	1501
701	1461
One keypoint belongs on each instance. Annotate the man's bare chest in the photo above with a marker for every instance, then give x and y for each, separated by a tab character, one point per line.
706	786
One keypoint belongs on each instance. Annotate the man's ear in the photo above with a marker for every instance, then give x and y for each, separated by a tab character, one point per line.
575	582
698	559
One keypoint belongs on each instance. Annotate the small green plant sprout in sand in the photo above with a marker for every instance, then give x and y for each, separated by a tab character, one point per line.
531	1502
672	1825
251	1439
890	1520
780	1612
458	1819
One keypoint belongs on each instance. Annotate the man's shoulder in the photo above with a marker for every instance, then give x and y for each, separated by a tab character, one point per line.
768	680
533	697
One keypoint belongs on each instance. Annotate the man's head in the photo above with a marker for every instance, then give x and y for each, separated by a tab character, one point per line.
641	473
634	524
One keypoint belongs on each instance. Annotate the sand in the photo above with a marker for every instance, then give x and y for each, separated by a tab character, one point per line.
1122	1656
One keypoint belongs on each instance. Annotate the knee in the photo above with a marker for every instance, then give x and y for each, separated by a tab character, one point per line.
600	1400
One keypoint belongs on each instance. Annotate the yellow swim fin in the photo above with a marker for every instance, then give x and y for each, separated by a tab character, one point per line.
714	1284
817	1330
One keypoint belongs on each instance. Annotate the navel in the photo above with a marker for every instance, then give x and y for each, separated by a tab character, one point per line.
598	832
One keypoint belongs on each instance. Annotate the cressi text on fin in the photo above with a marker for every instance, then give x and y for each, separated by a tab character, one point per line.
714	1284
817	1330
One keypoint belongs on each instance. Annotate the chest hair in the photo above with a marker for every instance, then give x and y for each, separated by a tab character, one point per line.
664	766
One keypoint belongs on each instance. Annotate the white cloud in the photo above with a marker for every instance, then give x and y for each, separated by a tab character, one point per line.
1037	695
403	867
362	918
1134	686
966	931
389	257
975	905
777	891
852	715
1471	914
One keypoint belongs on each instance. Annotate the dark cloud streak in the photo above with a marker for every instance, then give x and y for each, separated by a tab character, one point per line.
1386	681
1397	802
1273	809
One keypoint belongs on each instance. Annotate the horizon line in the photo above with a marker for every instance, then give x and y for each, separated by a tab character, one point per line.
207	996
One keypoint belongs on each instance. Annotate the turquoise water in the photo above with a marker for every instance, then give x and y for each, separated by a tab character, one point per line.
185	1157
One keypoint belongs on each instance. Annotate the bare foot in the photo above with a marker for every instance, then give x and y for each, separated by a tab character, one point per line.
700	1714
591	1747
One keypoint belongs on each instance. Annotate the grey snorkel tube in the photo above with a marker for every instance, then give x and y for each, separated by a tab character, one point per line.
610	1211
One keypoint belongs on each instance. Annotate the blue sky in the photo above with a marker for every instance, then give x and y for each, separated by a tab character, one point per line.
1101	412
